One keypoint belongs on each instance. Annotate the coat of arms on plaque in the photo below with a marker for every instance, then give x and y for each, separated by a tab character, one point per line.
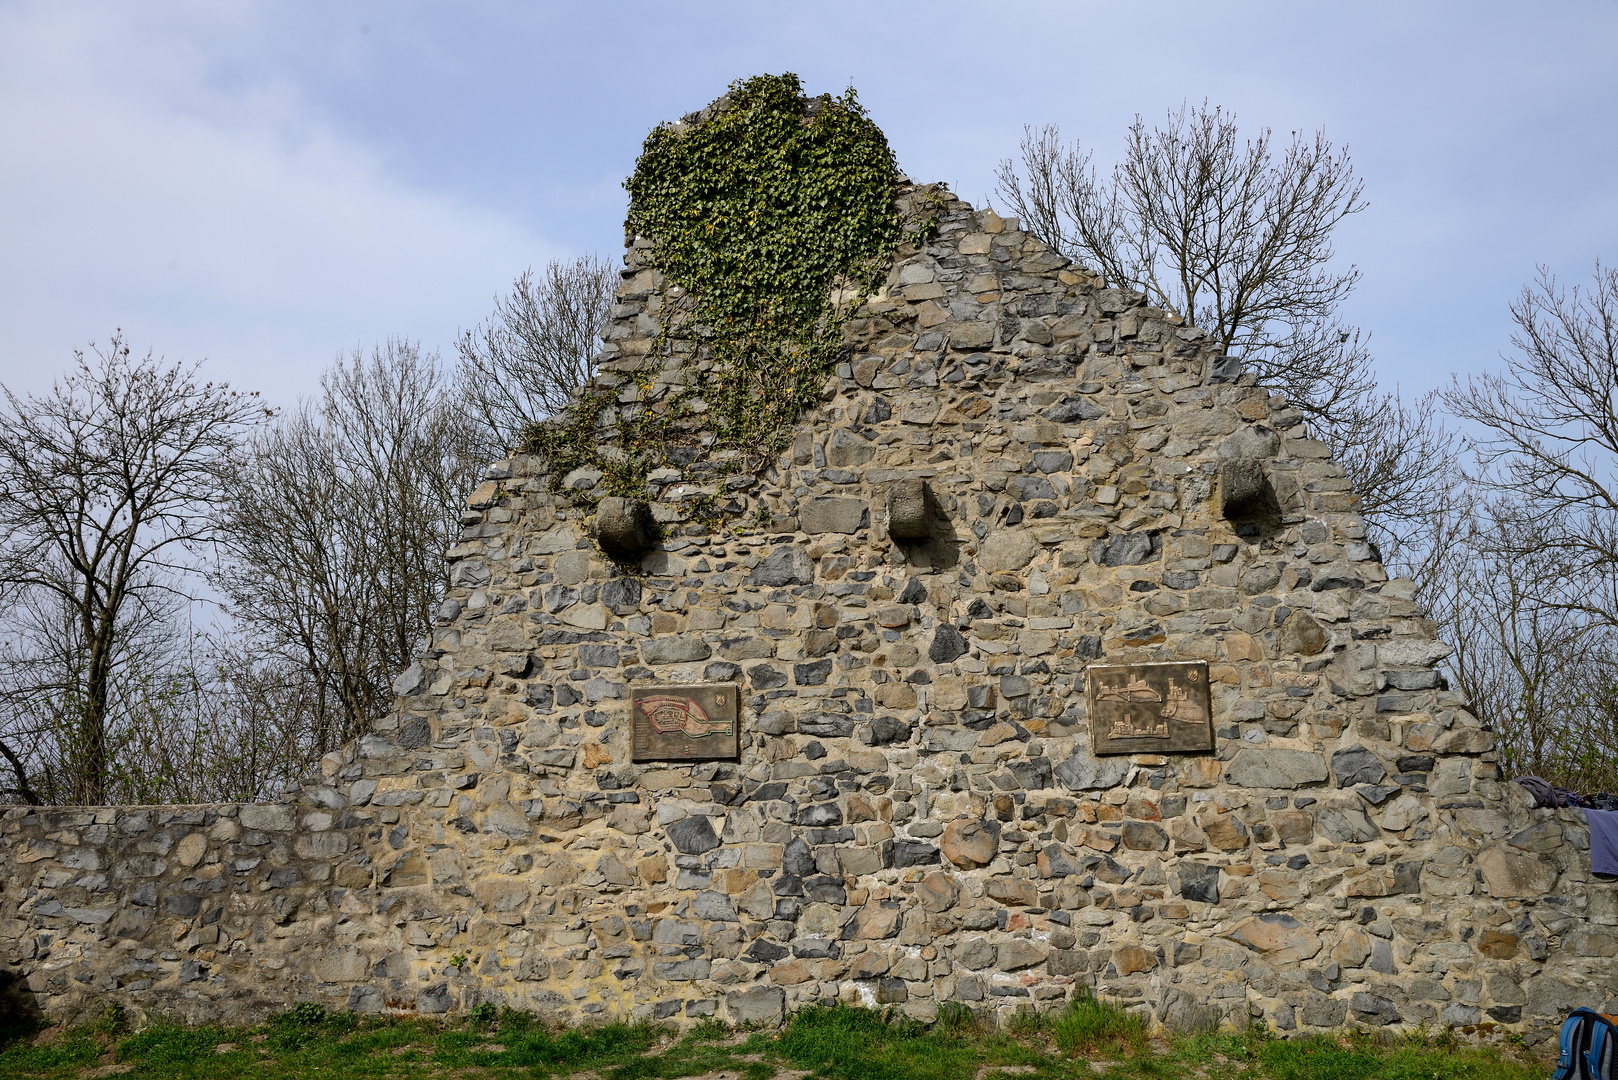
684	723
1150	708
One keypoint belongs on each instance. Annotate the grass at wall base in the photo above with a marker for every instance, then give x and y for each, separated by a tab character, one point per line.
1090	1038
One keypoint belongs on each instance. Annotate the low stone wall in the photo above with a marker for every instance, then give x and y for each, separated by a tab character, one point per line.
235	912
917	814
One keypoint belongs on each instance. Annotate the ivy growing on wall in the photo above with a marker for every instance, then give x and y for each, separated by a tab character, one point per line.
776	215
759	213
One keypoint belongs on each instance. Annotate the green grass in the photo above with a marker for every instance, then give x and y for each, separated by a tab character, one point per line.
1089	1038
1090	1025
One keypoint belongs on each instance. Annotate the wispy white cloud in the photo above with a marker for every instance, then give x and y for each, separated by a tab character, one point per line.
211	210
316	185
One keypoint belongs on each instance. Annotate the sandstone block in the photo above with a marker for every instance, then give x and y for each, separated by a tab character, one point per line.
1144	836
1467	740
1243	487
1017	954
974	954
1352	950
1007	551
970	843
1250	441
1132	958
972	335
873	922
1284	939
190	850
1514	875
1012	892
1226	834
1303	635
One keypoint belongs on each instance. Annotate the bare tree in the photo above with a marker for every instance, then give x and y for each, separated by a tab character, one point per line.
1529	595
105	488
224	726
524	363
1236	236
337	523
1550	426
1403	462
1539	672
44	661
1223	231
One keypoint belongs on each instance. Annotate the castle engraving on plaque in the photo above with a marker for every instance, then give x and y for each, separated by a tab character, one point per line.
684	723
1149	708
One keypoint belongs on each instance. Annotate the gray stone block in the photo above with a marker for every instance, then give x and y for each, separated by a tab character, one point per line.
826	514
1243	487
1199	882
845	449
914	853
693	835
909	510
786	565
623	527
1129	549
1070	409
757	1005
1254	768
947	644
410	681
885	730
1356	765
675	650
713	906
1081	772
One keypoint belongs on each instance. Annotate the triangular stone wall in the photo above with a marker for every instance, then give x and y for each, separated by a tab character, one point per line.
917	815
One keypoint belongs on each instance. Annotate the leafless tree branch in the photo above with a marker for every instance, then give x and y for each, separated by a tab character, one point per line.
524	363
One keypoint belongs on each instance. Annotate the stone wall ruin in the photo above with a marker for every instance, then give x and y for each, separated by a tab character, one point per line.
916	816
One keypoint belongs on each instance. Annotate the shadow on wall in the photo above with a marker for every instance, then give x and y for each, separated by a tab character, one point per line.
19	1012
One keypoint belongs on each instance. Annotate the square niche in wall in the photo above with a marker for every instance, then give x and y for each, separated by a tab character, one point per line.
1160	708
685	723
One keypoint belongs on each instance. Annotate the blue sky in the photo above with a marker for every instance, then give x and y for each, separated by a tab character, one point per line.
266	184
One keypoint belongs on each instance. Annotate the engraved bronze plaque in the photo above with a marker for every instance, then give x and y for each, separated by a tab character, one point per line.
685	723
1149	708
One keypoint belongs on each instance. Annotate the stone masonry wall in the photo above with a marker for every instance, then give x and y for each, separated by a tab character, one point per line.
916	817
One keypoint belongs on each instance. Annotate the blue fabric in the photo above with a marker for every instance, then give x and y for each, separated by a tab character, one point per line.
1595	1059
1564	1060
1603	840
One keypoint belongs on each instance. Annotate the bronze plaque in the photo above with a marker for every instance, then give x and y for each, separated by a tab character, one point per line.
685	723
1150	708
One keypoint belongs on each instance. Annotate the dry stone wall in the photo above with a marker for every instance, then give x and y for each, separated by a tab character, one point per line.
917	816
